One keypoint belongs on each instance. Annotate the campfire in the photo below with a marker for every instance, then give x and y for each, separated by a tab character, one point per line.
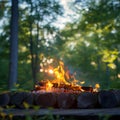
62	90
62	81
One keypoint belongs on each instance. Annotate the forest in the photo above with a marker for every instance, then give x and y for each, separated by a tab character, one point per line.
33	36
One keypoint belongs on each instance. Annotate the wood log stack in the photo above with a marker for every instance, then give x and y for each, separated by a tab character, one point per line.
83	100
41	86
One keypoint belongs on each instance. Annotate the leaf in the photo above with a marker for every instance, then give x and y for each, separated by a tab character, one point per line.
26	105
112	65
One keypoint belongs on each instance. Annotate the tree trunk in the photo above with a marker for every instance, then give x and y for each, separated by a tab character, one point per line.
34	47
36	55
107	82
31	52
13	45
33	56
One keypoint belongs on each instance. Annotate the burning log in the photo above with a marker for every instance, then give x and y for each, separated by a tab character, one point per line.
87	89
45	99
19	98
67	88
55	87
4	99
87	100
61	81
40	85
109	99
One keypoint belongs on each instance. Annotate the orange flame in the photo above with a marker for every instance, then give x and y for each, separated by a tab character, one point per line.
97	87
61	75
49	86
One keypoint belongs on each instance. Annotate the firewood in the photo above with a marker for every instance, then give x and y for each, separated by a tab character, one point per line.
67	87
45	100
87	100
19	99
55	85
109	99
4	99
87	89
66	100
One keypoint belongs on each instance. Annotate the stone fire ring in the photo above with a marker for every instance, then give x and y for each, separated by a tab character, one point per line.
83	100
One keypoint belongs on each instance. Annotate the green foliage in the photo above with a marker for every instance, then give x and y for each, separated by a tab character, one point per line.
109	56
40	15
88	45
115	84
92	42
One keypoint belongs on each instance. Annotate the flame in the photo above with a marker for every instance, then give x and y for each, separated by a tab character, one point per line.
49	86
97	87
82	82
61	78
60	74
74	82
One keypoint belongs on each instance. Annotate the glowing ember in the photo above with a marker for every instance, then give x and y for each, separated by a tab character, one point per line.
49	86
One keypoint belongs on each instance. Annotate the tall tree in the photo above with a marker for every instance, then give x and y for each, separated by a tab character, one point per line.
13	45
40	18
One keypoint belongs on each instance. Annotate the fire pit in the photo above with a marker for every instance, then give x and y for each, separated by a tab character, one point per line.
84	105
60	92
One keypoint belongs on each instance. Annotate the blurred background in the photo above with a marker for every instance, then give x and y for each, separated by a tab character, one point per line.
37	34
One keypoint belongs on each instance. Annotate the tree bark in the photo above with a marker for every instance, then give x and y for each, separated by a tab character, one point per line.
32	46
36	56
13	45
